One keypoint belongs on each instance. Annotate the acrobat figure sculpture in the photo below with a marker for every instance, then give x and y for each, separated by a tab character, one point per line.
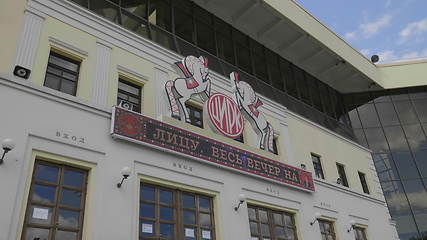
194	80
249	103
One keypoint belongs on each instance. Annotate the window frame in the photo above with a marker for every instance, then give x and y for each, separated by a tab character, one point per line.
64	57
132	84
363	232
54	226
178	211
342	175
318	157
363	182
271	222
322	223
192	108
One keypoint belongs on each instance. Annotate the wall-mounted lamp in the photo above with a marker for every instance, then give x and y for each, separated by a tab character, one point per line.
303	167
125	173
339	181
242	199
7	145
352	225
316	216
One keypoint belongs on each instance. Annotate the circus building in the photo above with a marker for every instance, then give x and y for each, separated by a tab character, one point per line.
200	120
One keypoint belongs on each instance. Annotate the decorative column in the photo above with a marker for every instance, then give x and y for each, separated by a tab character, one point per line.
30	36
162	104
102	73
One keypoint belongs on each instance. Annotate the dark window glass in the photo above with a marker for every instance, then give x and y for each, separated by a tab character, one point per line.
205	30
106	9
354	118
396	198
399	94
259	61
405	165
135	24
302	85
241	43
406	112
342	175
275	149
421	220
317	165
83	3
288	75
387	114
368	116
314	92
62	74
376	139
385	167
274	70
184	27
416	137
421	108
421	161
360	135
363	182
196	116
129	96
395	138
327	230
136	7
174	214
224	41
268	224
418	93
416	193
160	14
56	202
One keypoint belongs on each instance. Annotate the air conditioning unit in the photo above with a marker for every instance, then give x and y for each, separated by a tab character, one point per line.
126	105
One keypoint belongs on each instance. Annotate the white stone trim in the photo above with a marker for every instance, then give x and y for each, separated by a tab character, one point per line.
102	70
132	73
68	46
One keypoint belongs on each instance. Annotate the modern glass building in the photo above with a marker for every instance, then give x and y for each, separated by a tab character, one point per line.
393	124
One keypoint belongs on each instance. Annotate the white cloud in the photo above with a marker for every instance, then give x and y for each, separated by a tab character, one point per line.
366	52
387	55
388	3
350	35
370	29
413	29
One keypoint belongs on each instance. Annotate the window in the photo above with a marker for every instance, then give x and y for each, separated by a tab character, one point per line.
359	233
269	224
174	214
196	115
56	202
62	74
363	182
129	96
341	174
327	230
317	165
275	150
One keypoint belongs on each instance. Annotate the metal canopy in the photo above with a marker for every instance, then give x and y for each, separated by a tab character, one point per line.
272	29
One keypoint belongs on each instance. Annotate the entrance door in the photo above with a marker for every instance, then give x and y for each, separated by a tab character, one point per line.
56	203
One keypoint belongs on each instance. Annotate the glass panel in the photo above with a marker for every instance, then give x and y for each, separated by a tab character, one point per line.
280	232
135	24
206	234
406	112
189	217
47	174
190	233
205	219
421	107
360	135
415	136
302	85
147	210
63	62
242	50
263	216
259	61
416	194
204	204
73	178
36	233
421	220
63	235
166	213
136	7
265	230
421	160
387	114
160	14
166	196
405	165
252	214
396	198
68	218
354	118
291	234
205	37
278	218
52	81
288	220
68	87
71	198
376	139
40	215
406	227
44	194
223	34
166	230
184	25
147	228
368	116
105	9
385	167
163	38
254	227
396	139
148	193
188	201
71	77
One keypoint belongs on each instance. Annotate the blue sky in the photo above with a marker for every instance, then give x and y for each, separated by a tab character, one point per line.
393	29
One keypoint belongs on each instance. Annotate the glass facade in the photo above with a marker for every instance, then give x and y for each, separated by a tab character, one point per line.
393	124
184	27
